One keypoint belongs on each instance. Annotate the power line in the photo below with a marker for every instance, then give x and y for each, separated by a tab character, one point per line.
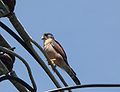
18	80
85	86
24	62
38	59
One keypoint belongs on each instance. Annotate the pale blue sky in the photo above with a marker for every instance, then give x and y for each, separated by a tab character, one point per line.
89	31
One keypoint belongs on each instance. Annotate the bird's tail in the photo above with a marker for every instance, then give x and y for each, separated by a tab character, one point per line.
72	74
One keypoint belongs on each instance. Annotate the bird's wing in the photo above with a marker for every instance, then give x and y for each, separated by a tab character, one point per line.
59	49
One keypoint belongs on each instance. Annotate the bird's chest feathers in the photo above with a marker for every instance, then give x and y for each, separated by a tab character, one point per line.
49	48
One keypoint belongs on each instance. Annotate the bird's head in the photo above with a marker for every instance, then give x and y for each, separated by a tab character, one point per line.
47	36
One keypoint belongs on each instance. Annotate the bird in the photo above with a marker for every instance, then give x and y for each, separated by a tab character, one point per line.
57	55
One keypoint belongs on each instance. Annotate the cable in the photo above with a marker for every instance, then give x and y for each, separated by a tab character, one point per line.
84	86
27	39
25	63
7	29
18	80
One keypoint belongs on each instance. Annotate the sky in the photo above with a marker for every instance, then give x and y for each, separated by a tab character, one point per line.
88	30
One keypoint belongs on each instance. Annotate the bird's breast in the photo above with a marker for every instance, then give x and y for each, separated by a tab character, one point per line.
50	51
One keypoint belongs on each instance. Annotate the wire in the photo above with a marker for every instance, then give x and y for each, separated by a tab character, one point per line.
18	80
27	39
84	86
7	29
25	63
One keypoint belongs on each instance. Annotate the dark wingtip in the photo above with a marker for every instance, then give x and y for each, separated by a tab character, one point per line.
73	71
77	81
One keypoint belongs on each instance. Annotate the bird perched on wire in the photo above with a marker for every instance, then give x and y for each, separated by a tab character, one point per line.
57	55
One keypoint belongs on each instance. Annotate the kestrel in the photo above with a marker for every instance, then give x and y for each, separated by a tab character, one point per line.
57	55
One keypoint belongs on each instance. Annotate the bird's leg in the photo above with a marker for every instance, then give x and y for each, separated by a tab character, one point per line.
52	61
53	64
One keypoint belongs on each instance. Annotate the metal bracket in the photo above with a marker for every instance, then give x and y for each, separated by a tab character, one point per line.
4	10
3	69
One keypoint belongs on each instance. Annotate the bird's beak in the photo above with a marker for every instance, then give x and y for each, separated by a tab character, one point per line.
42	37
